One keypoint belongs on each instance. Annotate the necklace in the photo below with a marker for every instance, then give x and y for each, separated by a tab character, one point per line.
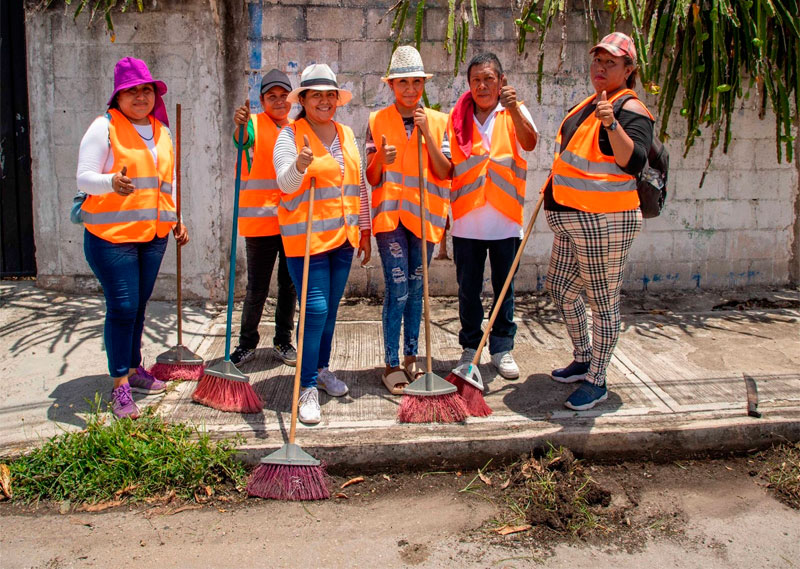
144	137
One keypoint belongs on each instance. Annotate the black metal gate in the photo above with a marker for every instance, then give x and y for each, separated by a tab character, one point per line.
17	251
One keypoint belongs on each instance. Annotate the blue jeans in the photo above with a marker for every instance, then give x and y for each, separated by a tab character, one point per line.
127	272
470	258
401	256
327	277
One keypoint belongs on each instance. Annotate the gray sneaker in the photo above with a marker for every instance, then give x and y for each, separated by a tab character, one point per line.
505	364
466	357
286	353
308	410
331	384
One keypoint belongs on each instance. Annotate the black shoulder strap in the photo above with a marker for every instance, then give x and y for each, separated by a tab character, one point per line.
619	103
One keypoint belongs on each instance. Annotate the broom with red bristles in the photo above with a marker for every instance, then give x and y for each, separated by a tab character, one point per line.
429	399
178	363
467	377
223	386
290	473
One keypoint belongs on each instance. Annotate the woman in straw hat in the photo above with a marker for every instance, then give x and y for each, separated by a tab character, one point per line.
592	207
126	166
315	147
393	172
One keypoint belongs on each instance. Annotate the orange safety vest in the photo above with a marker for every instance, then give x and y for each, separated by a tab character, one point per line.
586	179
336	199
260	194
149	210
497	176
396	197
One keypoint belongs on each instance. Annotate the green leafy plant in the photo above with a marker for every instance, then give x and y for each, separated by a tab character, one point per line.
138	459
98	7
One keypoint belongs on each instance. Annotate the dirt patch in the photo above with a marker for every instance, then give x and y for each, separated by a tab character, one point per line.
758	304
779	468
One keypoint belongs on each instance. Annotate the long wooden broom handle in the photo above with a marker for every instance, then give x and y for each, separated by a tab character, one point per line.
509	278
301	332
426	300
178	209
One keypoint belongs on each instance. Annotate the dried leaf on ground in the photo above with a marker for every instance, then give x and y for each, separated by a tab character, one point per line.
352	481
5	481
486	480
341	495
387	477
127	490
80	522
505	484
183	509
507	530
100	506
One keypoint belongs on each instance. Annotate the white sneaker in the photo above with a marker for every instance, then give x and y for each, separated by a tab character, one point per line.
505	364
466	356
331	384
308	408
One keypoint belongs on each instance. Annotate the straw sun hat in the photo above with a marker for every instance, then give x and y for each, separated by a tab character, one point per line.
319	77
406	62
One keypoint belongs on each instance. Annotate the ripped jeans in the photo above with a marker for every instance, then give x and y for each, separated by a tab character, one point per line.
401	257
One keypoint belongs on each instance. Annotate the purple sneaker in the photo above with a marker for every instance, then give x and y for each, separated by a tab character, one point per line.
122	404
142	381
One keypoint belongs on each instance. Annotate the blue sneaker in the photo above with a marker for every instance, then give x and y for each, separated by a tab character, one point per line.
586	396
575	371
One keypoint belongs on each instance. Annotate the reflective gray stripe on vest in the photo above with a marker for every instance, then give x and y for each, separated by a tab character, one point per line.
318	226
384	206
351	190
145	182
512	165
584	185
436	220
506	186
590	167
468	164
394	177
270	211
166	187
468	188
413	182
260	184
167	216
124	216
323	193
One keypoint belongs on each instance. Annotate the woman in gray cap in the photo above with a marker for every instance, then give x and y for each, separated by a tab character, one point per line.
258	222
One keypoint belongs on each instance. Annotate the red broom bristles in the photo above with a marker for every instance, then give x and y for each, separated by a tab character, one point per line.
227	395
448	408
473	397
177	372
284	482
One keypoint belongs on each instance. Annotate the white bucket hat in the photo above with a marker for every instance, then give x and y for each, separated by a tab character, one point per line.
406	62
319	77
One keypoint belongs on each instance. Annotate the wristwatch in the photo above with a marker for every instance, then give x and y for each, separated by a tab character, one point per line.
612	126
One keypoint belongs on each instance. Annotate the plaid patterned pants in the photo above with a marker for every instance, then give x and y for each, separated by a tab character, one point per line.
589	254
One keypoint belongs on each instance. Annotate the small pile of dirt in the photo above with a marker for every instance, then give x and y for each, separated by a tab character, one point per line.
758	304
560	494
781	470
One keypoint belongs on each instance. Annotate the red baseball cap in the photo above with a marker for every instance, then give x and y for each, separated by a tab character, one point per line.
617	44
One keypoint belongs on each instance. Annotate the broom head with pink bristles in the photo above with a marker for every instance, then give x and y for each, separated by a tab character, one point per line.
289	473
430	399
225	388
178	364
469	383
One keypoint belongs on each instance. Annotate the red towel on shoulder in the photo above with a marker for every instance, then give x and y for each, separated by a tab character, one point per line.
463	113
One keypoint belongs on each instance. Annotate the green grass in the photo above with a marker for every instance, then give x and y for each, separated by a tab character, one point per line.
137	459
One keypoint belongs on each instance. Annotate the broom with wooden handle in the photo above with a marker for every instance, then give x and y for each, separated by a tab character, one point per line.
290	473
179	362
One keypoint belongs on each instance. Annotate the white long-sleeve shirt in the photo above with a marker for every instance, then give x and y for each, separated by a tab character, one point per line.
96	158
290	180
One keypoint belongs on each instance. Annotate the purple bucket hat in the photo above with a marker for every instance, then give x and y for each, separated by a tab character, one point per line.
129	72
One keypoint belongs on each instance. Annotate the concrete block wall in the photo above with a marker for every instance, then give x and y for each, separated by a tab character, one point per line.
737	230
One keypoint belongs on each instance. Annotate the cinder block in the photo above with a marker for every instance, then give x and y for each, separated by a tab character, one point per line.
751	184
497	25
727	214
282	22
376	93
766	153
335	23
295	56
365	56
773	214
751	244
355	84
379	24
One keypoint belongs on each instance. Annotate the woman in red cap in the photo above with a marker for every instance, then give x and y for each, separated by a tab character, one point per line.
126	168
592	207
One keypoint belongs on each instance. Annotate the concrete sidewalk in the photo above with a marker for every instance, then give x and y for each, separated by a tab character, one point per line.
676	380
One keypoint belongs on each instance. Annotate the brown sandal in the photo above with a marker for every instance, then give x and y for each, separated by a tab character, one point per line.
395	382
414	371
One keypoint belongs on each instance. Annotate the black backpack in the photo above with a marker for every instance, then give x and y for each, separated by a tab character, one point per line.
651	184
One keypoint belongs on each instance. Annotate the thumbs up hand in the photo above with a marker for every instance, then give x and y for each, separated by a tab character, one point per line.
388	151
605	110
242	114
508	95
305	157
121	184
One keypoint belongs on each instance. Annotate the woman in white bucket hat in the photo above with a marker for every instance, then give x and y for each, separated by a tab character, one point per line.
316	147
393	172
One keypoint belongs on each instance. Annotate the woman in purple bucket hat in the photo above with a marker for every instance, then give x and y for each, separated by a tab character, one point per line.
126	168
